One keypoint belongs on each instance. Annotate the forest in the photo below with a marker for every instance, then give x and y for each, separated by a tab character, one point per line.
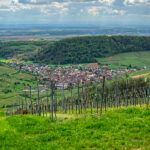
83	49
87	49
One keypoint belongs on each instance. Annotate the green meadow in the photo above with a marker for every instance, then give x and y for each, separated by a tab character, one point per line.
123	60
122	129
12	83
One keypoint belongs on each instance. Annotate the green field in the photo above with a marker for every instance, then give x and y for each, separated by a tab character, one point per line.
12	83
136	59
127	128
20	50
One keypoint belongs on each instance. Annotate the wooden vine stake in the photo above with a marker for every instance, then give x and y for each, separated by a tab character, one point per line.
102	99
38	99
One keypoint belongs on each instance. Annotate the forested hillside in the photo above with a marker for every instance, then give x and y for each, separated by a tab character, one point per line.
73	50
20	49
87	49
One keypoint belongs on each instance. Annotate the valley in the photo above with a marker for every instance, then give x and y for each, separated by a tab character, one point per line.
53	103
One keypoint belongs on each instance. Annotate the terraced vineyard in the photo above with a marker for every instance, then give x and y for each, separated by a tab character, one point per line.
12	83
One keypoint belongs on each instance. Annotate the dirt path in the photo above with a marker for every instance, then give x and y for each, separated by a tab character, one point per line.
140	76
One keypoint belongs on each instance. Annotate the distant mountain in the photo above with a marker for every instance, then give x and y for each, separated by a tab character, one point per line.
47	30
89	48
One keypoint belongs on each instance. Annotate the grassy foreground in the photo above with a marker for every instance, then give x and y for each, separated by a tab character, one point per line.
120	129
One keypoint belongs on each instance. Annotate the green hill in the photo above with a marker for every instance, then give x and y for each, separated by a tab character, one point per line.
74	50
21	50
123	60
88	49
126	128
12	83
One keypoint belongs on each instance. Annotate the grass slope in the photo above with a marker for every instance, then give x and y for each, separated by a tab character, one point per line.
12	83
117	130
141	72
20	50
136	59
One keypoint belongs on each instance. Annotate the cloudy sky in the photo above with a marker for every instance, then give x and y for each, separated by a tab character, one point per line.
75	11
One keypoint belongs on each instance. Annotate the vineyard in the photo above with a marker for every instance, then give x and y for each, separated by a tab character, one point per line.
89	99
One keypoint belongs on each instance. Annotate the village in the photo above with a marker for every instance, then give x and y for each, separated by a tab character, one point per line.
64	76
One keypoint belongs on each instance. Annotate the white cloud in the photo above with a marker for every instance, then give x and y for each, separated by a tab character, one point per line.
115	11
97	10
131	2
32	1
81	10
52	8
5	2
107	2
94	11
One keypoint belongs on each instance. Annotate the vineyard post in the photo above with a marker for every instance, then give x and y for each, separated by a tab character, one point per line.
83	97
30	88
126	93
46	102
13	109
71	99
19	105
69	104
38	98
116	88
86	99
22	104
6	110
66	104
26	100
64	101
105	101
91	105
52	100
78	97
52	94
55	107
140	98
148	93
103	90
43	108
36	106
134	93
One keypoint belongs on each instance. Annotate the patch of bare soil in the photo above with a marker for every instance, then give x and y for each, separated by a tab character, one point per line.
140	76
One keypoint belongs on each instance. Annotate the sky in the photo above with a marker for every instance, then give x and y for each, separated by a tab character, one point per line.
75	12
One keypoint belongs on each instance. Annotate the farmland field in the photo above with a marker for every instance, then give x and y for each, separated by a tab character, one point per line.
33	38
136	59
126	128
